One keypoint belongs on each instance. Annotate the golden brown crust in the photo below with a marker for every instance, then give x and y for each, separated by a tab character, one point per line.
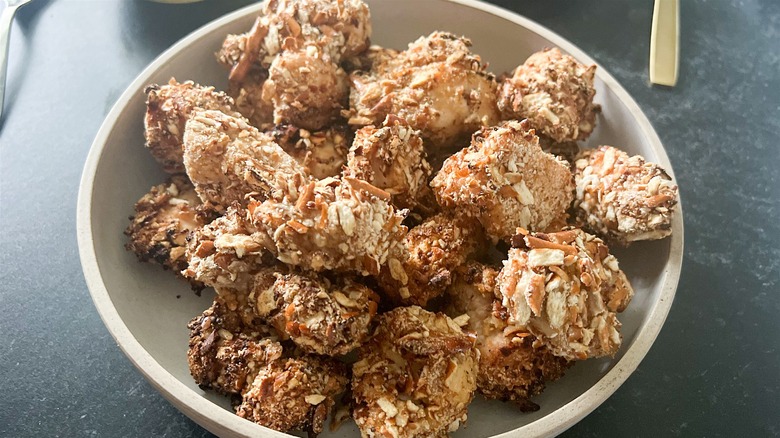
321	153
511	366
415	377
167	109
337	224
230	161
565	288
391	158
505	180
432	251
163	219
555	93
623	198
437	85
295	393
320	316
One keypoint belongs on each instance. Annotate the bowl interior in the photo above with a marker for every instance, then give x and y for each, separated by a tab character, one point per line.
154	307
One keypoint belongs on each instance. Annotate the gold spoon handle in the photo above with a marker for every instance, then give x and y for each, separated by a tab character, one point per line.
665	42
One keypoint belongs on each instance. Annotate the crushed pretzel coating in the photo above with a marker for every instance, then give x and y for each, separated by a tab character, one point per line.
336	224
391	158
248	98
511	367
432	251
437	85
320	316
230	161
167	109
294	393
321	153
415	377
565	288
505	180
555	93
623	198
163	219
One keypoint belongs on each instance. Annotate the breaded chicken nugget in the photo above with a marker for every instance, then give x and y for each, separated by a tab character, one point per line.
163	219
321	153
167	109
230	161
391	158
622	198
565	288
336	224
415	377
320	316
511	366
294	393
432	251
555	93
505	180
437	85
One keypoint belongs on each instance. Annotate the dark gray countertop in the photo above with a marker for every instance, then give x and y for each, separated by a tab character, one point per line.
714	370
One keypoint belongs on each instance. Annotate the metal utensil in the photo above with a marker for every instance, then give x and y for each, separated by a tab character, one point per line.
664	42
6	18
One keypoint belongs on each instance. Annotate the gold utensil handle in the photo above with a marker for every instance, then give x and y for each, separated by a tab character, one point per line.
665	42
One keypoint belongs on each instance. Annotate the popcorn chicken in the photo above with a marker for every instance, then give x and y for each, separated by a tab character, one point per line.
437	85
555	93
432	251
230	161
506	181
307	89
167	109
511	366
294	393
415	377
566	289
163	219
391	158
321	153
336	224
319	315
623	199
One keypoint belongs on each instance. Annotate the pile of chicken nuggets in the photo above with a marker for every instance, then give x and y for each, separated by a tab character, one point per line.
389	232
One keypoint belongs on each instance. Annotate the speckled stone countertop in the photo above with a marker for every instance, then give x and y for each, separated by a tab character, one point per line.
714	370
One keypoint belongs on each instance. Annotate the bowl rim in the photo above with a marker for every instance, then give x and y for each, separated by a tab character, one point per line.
224	423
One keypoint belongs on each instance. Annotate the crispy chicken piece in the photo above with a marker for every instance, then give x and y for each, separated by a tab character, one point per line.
340	30
505	180
321	153
555	93
437	85
565	288
511	366
415	377
336	224
227	347
230	161
163	218
228	252
294	393
248	98
622	198
319	315
391	158
167	109
432	251
306	89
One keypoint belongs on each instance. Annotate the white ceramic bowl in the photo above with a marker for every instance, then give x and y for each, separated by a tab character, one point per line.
139	303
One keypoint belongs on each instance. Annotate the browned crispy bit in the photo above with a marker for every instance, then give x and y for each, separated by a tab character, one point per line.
321	153
567	298
555	93
511	367
432	251
506	181
623	198
566	150
415	377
